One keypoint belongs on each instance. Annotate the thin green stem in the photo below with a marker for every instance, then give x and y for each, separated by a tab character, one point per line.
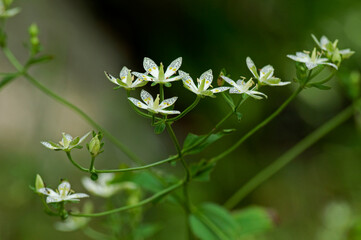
170	159
75	163
92	168
258	127
187	110
139	204
10	56
287	157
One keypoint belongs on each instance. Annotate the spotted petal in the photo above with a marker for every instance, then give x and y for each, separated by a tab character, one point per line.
143	76
219	89
167	102
208	77
173	67
188	81
230	81
64	188
266	72
138	103
75	196
150	66
111	78
252	67
146	97
51	145
169	111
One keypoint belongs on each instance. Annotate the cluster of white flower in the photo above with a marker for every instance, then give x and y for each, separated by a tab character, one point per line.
156	75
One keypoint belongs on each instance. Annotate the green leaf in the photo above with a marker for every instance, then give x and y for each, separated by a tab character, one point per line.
7	79
252	220
213	222
145	231
195	144
201	171
159	128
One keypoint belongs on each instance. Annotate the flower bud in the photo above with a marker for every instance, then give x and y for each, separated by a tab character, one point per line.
39	183
94	146
33	30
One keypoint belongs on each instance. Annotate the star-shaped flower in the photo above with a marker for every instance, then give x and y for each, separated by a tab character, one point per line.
153	105
204	82
265	76
157	75
311	61
62	194
67	143
244	87
331	47
126	80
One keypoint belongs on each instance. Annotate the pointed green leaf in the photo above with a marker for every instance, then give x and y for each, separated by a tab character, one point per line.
7	79
40	59
213	222
201	171
195	144
159	128
319	86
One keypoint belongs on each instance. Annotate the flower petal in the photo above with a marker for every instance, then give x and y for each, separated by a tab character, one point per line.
146	97
64	188
123	74
188	81
230	81
111	78
266	72
143	76
47	191
252	67
173	67
169	111
219	89
167	102
83	137
51	199
208	77
150	66
75	196
51	145
137	103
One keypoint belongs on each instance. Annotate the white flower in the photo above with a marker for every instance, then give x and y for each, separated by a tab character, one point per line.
311	62
204	82
331	48
265	76
67	143
63	193
153	105
157	75
102	186
244	87
126	80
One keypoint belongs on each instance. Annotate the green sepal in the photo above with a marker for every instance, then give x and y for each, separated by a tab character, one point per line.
153	84
239	116
167	84
201	171
213	222
159	128
301	72
253	220
192	140
116	88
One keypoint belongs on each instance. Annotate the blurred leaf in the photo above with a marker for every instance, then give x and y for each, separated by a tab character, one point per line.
213	222
146	231
195	144
319	86
201	171
40	59
252	220
159	128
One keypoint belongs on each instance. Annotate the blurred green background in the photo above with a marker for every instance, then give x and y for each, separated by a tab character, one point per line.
89	37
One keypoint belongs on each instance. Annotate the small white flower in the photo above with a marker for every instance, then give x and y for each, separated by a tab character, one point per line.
63	193
153	105
102	186
204	82
331	48
244	87
157	75
67	143
265	76
126	80
311	61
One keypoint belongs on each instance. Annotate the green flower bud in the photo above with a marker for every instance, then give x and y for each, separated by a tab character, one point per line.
39	183
33	30
94	146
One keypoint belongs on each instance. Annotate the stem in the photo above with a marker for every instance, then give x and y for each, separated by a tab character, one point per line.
138	168
187	205
258	127
161	92
91	168
76	164
10	56
141	203
187	110
288	157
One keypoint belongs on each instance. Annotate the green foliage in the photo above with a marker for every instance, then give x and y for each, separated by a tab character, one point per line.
213	222
201	171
